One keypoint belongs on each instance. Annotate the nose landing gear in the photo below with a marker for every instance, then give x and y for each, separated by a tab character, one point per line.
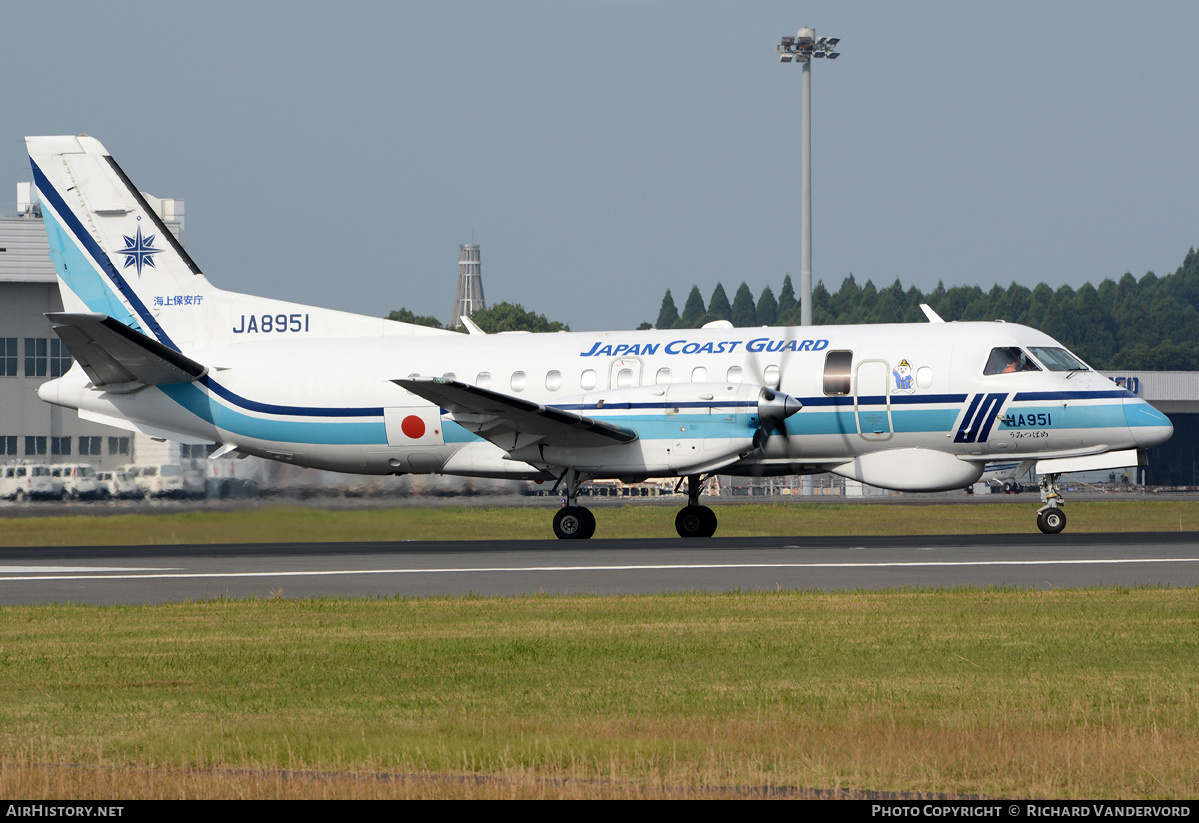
1050	517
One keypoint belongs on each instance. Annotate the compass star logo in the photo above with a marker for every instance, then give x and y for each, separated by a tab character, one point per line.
139	251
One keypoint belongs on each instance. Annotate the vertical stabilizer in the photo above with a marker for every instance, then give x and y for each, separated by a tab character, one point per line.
111	251
114	256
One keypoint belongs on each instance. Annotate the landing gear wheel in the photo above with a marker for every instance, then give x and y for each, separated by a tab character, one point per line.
574	523
695	521
1051	521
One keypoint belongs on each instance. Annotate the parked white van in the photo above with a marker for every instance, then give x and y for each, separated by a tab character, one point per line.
24	481
80	482
161	480
123	485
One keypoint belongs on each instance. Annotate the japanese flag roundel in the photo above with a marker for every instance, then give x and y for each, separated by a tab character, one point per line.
413	426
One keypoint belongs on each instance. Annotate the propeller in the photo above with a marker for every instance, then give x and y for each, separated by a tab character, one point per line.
774	407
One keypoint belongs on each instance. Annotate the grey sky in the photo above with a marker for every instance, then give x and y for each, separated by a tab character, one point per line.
600	153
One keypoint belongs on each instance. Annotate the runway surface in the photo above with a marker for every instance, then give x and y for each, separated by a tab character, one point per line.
160	574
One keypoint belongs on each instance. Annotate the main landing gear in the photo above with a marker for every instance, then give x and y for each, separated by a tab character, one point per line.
694	520
1050	517
573	522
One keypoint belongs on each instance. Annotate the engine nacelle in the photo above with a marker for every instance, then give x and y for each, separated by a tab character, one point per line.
683	428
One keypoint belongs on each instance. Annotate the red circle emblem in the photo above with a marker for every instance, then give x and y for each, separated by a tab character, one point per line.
413	427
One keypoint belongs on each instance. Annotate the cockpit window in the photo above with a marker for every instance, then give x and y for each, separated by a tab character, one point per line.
1008	360
1057	359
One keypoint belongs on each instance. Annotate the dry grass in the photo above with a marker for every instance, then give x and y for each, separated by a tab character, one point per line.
996	693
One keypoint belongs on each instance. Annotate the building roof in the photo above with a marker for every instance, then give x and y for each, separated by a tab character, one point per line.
25	252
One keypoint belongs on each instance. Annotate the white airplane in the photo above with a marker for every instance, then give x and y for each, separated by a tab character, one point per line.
912	407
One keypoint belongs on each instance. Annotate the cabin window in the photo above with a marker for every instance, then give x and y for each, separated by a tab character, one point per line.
587	380
924	377
624	378
1009	360
1057	359
837	369
770	377
519	381
553	380
662	377
483	381
699	375
734	374
449	376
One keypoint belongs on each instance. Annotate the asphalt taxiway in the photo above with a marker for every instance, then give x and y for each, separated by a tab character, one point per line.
159	574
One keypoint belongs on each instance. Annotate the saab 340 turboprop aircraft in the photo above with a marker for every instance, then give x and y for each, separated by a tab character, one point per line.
913	407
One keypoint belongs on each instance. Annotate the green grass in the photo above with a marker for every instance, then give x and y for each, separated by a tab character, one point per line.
288	524
995	692
1000	693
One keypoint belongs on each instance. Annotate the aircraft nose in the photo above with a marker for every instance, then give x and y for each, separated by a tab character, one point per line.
1149	427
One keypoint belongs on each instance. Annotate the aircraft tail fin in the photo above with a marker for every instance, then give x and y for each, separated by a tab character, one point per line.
115	256
112	252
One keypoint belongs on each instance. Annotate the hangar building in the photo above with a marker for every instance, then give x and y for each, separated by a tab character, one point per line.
1175	394
30	354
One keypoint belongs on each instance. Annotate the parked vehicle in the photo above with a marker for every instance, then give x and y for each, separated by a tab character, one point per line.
80	482
161	480
122	485
24	481
194	483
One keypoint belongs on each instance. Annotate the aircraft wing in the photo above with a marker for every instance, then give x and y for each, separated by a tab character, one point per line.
118	357
511	422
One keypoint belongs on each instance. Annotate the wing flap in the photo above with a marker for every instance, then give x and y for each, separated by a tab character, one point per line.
115	355
512	422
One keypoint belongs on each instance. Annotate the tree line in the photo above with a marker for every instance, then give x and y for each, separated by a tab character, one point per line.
499	317
1151	323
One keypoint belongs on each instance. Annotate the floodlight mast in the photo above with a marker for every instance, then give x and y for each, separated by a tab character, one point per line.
801	49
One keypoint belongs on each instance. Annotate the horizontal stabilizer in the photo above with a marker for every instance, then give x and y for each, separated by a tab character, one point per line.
511	422
114	355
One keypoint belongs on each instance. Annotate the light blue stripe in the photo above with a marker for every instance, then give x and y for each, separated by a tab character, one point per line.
1105	416
844	421
1141	414
77	271
207	408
